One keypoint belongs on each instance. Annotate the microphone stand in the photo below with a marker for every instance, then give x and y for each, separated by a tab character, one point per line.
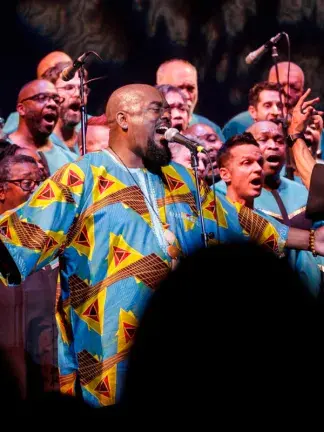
289	167
83	110
194	164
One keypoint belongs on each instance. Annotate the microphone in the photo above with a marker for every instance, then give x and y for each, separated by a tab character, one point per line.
69	72
250	58
173	134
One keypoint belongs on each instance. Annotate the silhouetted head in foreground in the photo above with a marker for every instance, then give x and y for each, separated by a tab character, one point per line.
231	336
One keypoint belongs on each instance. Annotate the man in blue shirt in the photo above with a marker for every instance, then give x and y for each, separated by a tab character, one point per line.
243	120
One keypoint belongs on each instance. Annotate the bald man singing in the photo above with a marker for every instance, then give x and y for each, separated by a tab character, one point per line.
47	62
38	107
119	220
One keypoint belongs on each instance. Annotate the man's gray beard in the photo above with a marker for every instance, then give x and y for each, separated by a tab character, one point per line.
70	120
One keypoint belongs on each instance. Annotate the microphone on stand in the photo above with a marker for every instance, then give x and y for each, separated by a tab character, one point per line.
69	72
173	135
254	55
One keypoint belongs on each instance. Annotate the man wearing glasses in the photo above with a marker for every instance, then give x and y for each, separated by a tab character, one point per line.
38	107
65	134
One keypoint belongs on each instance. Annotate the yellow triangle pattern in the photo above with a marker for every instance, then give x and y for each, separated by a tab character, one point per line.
108	377
61	324
208	207
52	187
170	173
189	221
12	235
128	318
73	172
68	388
120	243
85	247
98	192
59	238
95	323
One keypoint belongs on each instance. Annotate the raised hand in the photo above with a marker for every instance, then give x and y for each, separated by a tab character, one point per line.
302	111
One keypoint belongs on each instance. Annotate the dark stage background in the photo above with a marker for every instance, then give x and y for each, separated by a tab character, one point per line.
134	37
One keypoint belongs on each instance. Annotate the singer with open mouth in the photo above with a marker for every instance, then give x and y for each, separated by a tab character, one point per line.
120	220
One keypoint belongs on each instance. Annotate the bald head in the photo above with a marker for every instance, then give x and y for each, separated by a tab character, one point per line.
51	60
199	129
296	81
137	116
38	107
129	98
180	73
34	87
165	68
262	126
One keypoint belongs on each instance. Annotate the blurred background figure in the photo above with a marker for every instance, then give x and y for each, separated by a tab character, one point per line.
178	103
182	155
181	73
50	60
65	132
97	136
212	143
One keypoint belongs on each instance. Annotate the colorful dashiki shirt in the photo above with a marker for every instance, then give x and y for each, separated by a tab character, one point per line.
106	225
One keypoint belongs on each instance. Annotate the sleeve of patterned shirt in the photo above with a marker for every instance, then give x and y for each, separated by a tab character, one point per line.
242	222
35	232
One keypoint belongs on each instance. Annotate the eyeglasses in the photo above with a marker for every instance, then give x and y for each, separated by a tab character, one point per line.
25	184
71	89
45	97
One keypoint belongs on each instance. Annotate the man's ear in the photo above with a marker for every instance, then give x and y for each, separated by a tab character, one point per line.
253	112
2	192
122	120
225	174
21	109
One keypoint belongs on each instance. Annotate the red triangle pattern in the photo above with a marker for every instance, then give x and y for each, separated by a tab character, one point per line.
120	255
70	392
83	238
271	242
4	229
92	311
74	179
50	243
211	208
103	387
104	184
174	183
129	331
47	194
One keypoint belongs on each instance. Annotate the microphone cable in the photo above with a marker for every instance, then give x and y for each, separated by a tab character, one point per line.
288	73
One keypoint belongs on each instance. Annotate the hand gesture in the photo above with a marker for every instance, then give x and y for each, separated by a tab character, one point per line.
302	111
